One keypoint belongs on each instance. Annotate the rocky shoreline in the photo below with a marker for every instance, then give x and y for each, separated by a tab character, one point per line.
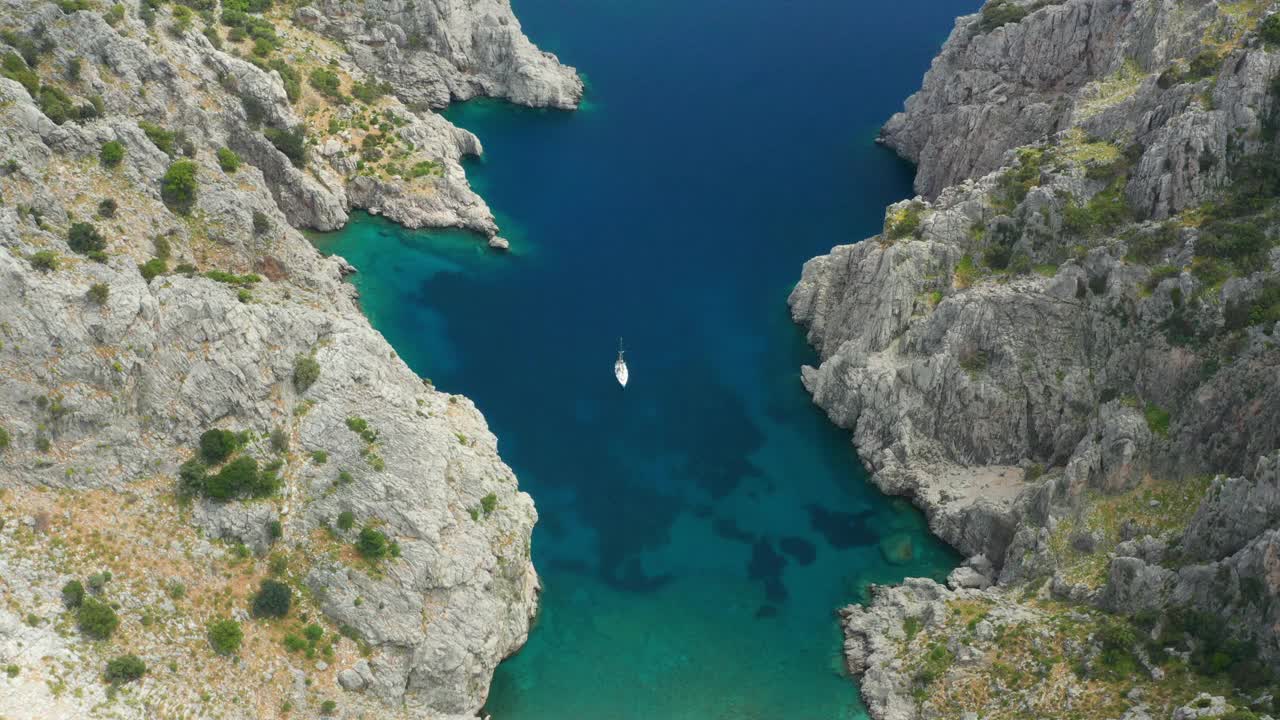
156	161
1061	351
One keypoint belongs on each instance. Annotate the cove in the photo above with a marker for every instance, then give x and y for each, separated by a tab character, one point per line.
698	529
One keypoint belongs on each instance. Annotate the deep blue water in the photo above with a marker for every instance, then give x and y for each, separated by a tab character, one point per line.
699	528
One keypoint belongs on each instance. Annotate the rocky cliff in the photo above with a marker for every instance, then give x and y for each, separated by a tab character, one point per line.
193	412
1064	352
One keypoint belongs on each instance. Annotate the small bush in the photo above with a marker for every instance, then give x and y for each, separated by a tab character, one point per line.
217	445
111	154
294	642
15	68
328	707
228	160
261	223
55	104
319	457
998	13
98	581
191	477
1157	419
114	15
280	439
289	78
4	439
84	238
369	92
1269	30
275	530
98	293
107	208
346	520
225	636
372	544
160	137
44	260
178	187
291	142
73	594
305	372
96	619
235	478
153	268
326	82
273	599
489	503
125	668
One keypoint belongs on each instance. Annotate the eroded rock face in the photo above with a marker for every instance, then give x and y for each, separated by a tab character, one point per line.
109	390
435	52
1009	361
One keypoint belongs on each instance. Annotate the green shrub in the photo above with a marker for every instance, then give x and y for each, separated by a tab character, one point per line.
231	278
291	142
289	78
372	544
305	372
319	457
55	104
326	82
114	14
228	160
1014	184
273	599
314	633
1104	212
1269	30
43	260
160	137
191	477
489	503
107	208
73	594
111	153
83	238
1000	12
275	530
178	187
905	223
294	642
98	581
43	444
1157	419
1149	246
261	223
125	668
4	439
96	619
153	268
217	445
279	439
12	670
328	707
235	478
15	68
369	92
346	520
225	636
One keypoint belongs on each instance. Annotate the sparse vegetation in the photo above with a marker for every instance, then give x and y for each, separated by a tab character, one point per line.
372	544
72	594
84	238
998	13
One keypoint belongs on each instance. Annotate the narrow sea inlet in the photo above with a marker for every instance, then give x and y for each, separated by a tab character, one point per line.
699	528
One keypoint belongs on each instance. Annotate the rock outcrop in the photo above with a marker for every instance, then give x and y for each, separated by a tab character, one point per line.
1057	347
141	312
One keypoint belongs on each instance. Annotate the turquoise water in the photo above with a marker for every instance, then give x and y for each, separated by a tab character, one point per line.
698	529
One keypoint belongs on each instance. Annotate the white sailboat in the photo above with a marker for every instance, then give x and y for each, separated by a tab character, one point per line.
620	367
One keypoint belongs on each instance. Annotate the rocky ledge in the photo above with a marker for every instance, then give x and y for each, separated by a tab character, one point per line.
1064	352
220	489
